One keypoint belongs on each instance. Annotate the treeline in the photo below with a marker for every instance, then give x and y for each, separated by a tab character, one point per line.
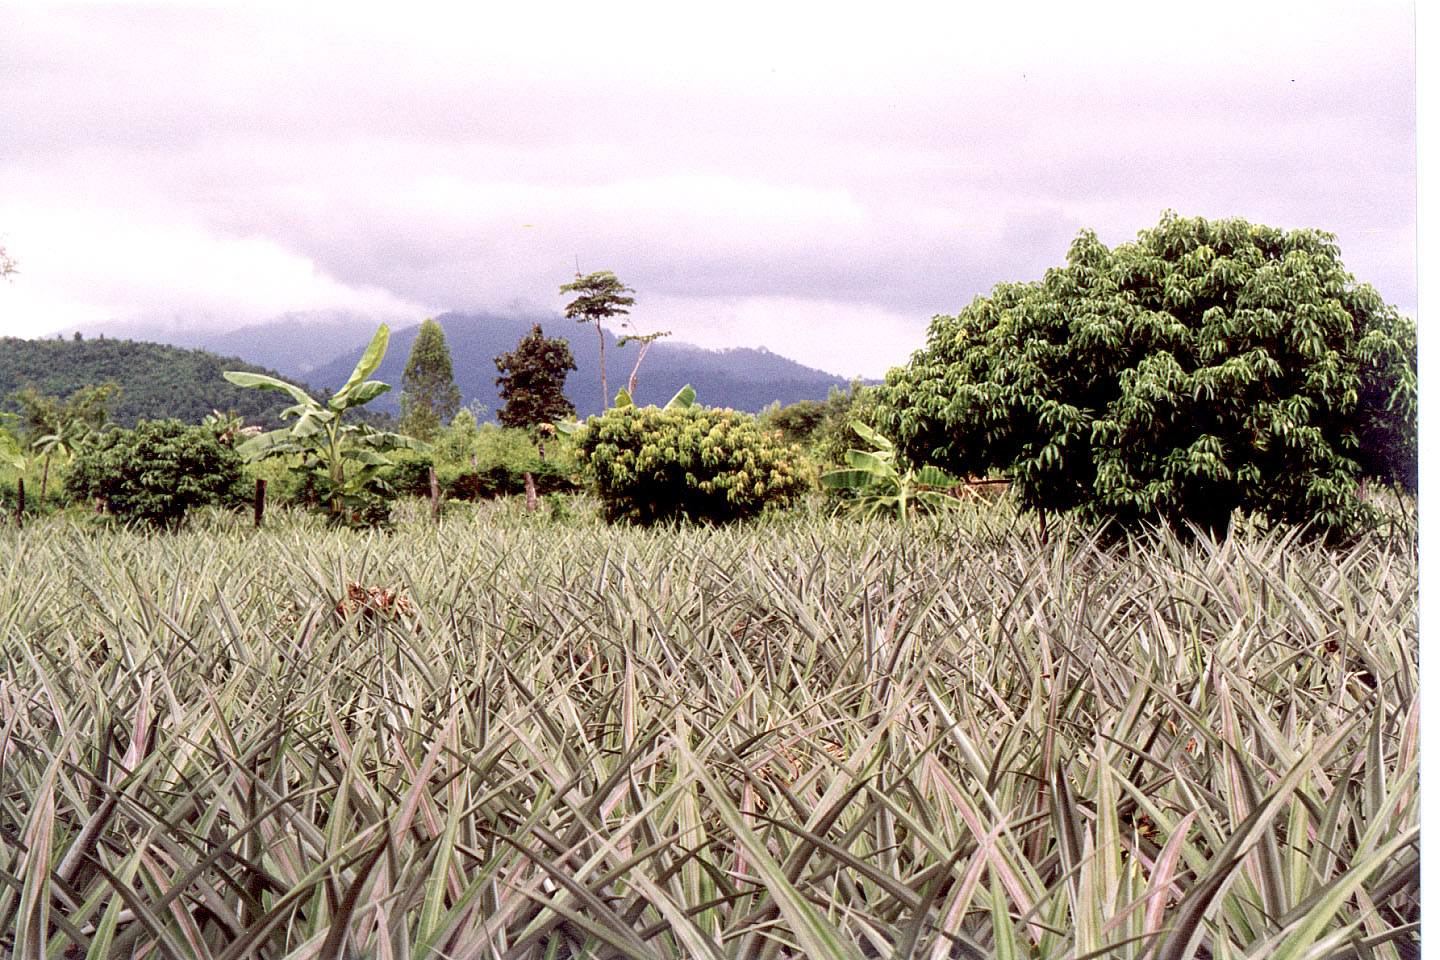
156	381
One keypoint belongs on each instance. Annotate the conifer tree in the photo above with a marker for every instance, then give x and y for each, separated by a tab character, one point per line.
429	397
532	381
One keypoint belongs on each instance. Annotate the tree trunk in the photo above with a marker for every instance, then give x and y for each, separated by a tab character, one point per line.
635	373
20	502
529	491
604	385
434	495
44	477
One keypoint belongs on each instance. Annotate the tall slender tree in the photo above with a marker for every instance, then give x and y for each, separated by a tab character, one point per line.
532	381
429	397
601	296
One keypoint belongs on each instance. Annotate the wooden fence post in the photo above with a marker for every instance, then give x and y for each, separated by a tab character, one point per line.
259	500
529	491
434	495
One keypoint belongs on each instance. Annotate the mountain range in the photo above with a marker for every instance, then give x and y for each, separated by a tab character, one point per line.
322	350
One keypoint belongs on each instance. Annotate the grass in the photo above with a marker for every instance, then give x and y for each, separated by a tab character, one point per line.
801	738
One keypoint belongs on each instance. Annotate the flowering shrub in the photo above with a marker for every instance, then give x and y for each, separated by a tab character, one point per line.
650	464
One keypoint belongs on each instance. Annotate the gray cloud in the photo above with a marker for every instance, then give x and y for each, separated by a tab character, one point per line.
763	165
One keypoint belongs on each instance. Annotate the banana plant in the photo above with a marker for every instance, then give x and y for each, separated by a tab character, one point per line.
12	451
683	399
342	458
880	487
66	441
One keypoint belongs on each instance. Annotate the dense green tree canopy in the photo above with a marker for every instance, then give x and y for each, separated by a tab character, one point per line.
532	381
1206	366
429	397
156	381
156	471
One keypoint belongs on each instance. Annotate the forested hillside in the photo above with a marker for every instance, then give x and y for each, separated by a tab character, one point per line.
156	381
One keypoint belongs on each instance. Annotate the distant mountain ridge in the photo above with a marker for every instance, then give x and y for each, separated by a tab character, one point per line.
744	378
294	343
321	349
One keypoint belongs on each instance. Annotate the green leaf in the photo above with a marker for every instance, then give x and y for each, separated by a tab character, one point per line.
932	476
683	399
260	381
268	444
362	394
847	479
877	466
871	437
367	365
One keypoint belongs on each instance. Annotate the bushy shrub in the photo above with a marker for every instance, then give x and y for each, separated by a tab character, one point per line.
503	480
477	463
797	422
1208	366
156	472
650	464
411	475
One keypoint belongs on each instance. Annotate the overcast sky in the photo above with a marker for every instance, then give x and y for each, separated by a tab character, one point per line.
800	178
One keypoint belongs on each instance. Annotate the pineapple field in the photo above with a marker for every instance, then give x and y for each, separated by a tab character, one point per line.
525	736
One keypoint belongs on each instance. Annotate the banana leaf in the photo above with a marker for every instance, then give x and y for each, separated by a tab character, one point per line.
847	479
362	394
268	444
367	365
683	399
242	378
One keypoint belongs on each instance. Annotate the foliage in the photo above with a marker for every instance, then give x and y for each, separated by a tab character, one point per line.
878	486
795	738
63	428
155	472
341	460
8	267
797	422
600	296
87	408
532	381
835	435
411	476
12	451
650	464
155	381
429	397
646	341
1208	366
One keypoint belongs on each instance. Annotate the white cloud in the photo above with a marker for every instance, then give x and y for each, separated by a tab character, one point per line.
845	338
88	265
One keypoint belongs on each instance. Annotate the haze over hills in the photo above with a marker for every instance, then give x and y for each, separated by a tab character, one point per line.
294	343
321	350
